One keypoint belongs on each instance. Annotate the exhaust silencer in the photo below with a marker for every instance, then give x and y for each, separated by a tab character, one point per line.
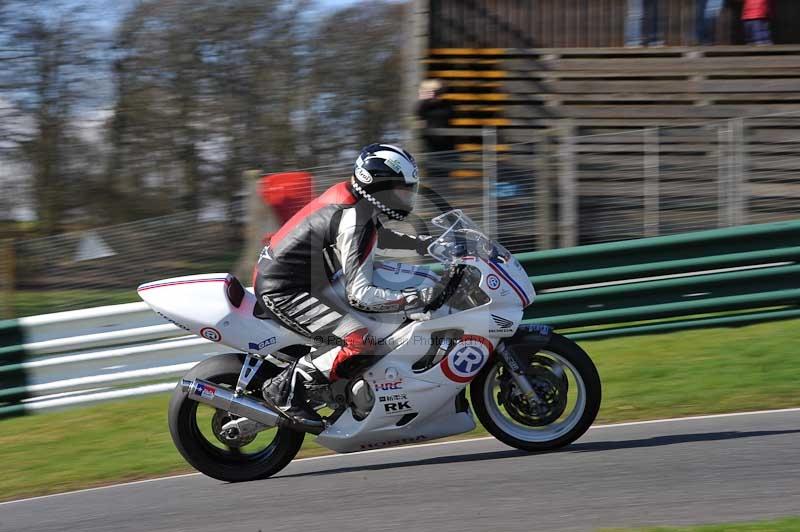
219	397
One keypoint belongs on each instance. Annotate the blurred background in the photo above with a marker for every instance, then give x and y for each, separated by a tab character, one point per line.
143	139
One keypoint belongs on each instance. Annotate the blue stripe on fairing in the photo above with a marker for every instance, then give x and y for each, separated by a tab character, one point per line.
512	281
418	272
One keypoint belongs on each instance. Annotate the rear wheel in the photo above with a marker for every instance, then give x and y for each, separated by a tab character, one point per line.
197	429
568	398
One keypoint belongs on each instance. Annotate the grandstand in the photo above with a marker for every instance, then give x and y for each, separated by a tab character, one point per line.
613	142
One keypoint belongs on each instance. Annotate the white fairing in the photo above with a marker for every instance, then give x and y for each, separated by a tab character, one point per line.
431	395
199	304
410	405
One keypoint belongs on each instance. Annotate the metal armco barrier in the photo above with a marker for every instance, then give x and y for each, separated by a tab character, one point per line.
722	277
751	269
83	356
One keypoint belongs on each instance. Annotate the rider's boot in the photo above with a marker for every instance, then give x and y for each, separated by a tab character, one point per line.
288	390
354	357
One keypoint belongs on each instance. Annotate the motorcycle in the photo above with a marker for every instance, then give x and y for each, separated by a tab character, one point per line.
530	387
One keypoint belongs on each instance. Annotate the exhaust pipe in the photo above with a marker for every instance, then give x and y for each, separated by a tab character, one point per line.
222	398
241	405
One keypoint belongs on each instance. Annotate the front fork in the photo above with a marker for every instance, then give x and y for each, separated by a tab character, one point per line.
516	367
533	337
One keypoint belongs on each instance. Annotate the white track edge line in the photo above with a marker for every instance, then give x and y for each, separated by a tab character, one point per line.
408	447
694	418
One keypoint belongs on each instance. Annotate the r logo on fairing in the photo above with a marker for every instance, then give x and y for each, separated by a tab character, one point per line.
210	333
466	359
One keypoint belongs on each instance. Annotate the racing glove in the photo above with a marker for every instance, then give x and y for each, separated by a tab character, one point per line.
417	299
423	241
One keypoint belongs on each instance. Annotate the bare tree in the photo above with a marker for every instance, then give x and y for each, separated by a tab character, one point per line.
205	91
45	85
358	77
202	90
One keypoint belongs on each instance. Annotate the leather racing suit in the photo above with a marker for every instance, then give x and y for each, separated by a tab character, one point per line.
334	235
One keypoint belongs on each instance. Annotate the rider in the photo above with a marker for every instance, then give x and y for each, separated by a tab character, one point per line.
336	235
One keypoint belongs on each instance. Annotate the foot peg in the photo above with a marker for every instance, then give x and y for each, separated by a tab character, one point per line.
289	390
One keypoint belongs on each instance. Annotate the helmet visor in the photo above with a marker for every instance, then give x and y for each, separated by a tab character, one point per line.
406	197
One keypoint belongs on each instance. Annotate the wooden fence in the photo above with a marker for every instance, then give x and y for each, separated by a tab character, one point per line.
581	23
647	141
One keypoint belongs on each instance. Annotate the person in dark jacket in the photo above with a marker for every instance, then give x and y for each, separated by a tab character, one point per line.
435	113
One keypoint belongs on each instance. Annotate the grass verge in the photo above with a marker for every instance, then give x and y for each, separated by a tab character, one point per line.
33	302
791	524
646	377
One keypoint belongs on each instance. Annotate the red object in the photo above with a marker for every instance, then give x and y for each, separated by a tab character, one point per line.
354	344
755	9
336	195
286	192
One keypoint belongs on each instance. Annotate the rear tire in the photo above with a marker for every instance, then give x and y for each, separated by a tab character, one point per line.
230	465
537	438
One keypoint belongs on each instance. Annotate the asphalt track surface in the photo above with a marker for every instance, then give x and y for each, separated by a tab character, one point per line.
715	469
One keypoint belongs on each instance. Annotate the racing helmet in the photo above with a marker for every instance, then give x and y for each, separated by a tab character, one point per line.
387	176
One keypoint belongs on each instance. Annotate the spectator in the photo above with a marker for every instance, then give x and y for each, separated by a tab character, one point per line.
706	16
755	16
434	112
644	24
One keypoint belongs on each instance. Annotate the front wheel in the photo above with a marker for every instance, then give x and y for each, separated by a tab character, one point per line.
567	399
196	429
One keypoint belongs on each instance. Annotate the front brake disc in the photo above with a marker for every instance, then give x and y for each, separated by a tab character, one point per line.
549	381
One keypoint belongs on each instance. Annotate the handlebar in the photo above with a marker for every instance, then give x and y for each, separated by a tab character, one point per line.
453	275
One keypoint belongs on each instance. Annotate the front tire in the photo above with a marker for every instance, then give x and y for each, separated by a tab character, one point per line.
568	417
193	434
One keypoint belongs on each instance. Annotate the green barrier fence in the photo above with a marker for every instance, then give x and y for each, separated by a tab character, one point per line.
719	278
12	355
749	268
